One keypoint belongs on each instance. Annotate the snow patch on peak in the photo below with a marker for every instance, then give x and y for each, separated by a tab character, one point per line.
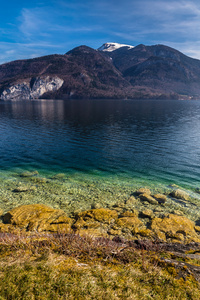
113	46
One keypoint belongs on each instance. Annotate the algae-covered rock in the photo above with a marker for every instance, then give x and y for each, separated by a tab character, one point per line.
131	201
175	227
95	218
160	198
29	174
38	217
59	176
146	233
134	213
197	228
148	198
178	212
95	205
20	189
179	194
147	213
143	191
100	214
8	228
132	223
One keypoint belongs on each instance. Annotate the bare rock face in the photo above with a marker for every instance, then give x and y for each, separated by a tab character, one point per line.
32	89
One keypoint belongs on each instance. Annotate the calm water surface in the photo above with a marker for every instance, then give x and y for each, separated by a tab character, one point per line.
150	140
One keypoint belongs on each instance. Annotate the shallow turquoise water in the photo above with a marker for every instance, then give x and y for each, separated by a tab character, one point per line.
116	144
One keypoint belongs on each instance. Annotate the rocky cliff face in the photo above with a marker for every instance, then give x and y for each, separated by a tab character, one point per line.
32	89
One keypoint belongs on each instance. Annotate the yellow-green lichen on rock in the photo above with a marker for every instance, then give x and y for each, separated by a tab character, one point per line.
132	223
175	227
38	217
95	221
102	215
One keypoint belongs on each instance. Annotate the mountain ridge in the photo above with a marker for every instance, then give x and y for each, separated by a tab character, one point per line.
126	71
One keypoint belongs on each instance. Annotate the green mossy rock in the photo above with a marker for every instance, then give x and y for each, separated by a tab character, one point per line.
38	217
175	227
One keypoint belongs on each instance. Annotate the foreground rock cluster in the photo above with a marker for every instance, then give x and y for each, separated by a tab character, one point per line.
120	220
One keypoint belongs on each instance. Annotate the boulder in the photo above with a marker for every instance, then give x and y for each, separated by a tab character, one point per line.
160	198
179	194
175	227
131	223
29	174
38	217
143	191
148	198
102	215
131	201
95	221
147	213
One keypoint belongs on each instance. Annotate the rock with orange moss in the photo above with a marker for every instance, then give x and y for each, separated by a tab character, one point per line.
8	228
38	217
175	228
95	217
131	223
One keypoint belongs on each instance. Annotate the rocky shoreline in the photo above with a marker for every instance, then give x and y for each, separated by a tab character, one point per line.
140	233
122	220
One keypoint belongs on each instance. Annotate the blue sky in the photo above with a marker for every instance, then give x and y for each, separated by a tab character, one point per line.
35	28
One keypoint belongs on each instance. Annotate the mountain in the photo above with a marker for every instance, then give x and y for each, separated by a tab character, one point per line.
113	46
159	67
113	71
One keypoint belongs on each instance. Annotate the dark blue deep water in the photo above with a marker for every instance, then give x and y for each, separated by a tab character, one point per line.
151	140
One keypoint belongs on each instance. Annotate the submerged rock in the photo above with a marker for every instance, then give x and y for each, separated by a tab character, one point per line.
29	174
38	217
21	189
143	191
59	176
179	194
148	198
160	198
147	213
131	201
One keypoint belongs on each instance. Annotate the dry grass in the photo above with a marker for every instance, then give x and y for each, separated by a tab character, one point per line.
70	266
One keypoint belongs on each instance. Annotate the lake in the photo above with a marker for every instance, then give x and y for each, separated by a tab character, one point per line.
103	148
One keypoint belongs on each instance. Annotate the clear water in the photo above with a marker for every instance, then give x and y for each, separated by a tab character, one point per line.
111	144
